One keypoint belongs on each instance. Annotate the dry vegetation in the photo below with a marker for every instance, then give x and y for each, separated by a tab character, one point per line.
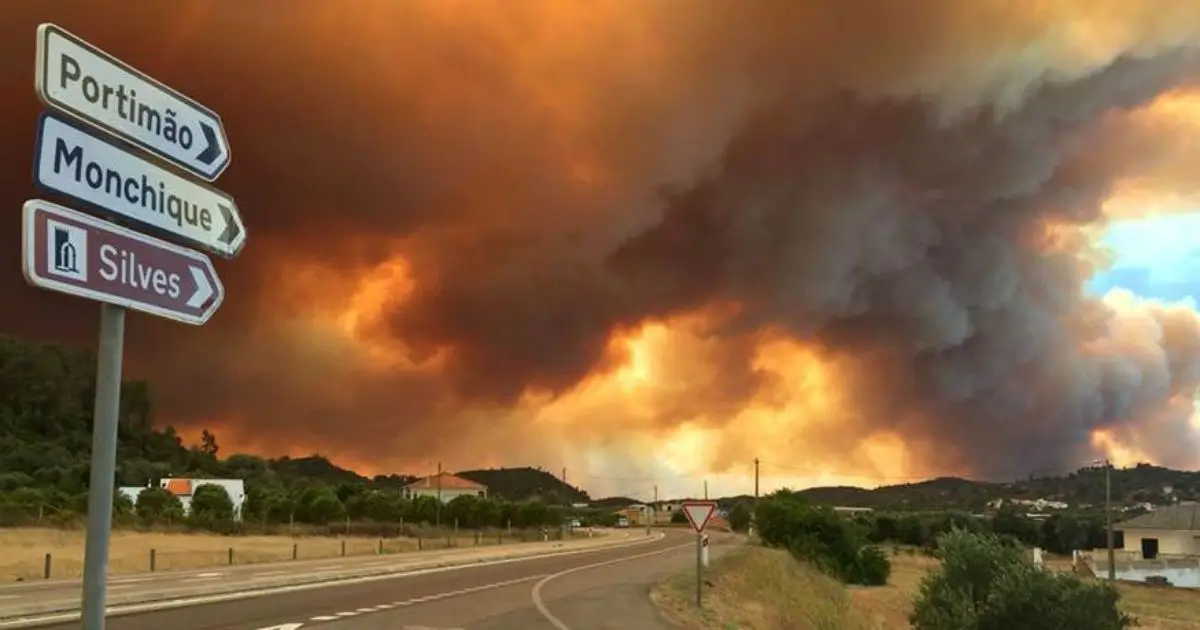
25	549
887	607
764	589
755	588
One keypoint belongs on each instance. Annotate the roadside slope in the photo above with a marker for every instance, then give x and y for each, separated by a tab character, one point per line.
755	588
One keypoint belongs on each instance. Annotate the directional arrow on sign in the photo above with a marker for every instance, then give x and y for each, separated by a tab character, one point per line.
76	163
92	86
78	254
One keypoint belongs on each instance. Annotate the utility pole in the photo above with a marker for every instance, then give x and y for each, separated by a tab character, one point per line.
705	489
1108	520
438	515
754	512
656	494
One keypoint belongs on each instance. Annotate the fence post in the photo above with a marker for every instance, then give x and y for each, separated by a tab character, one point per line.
500	538
152	559
231	556
380	547
343	549
420	544
295	550
476	538
46	569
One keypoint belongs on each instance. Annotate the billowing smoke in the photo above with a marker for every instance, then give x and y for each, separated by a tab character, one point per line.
838	234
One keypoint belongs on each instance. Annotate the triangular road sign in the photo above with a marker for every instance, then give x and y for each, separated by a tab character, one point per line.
698	513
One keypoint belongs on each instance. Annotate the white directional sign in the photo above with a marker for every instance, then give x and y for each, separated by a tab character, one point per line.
698	513
79	165
87	83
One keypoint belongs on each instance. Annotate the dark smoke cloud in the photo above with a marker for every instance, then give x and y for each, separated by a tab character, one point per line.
891	184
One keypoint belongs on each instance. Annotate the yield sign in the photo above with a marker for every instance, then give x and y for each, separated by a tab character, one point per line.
698	513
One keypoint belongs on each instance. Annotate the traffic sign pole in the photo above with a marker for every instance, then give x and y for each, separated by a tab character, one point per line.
104	464
699	573
80	255
698	514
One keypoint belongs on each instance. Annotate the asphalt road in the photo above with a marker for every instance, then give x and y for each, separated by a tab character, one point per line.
594	590
32	598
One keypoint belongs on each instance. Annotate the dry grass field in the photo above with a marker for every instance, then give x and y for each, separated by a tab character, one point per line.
24	550
755	588
764	589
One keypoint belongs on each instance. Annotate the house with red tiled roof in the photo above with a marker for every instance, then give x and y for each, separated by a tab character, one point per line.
184	488
444	486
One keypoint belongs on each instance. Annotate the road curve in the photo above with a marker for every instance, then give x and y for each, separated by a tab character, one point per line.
475	597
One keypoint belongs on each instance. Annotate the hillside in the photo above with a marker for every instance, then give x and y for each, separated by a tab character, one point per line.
524	483
1140	484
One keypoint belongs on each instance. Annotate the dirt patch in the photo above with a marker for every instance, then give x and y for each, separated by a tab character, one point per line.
755	588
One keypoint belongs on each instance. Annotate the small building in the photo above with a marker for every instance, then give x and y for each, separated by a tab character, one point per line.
446	486
185	488
1167	531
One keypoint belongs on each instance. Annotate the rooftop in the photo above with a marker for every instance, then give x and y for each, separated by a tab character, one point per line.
448	482
1178	517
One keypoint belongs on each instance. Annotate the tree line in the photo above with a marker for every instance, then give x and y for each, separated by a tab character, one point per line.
1059	533
337	510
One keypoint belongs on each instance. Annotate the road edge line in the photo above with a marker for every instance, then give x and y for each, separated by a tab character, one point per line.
536	593
34	620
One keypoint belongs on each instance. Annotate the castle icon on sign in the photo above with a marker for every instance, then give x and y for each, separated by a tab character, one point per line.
67	251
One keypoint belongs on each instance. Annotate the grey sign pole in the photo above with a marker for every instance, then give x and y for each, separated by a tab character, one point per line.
104	463
699	577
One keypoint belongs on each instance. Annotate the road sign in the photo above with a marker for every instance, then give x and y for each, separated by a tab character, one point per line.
91	85
78	254
72	161
698	513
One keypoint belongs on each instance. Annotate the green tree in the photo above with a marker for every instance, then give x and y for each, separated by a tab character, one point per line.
679	517
158	505
983	584
740	516
210	504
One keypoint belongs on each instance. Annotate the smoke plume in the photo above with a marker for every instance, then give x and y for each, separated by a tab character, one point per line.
850	237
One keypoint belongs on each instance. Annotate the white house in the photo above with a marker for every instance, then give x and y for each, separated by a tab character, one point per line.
445	486
185	488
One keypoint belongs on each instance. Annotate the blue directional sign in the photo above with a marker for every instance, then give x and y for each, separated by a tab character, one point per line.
96	88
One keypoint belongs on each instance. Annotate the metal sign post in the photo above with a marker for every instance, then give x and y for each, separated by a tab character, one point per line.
84	256
698	514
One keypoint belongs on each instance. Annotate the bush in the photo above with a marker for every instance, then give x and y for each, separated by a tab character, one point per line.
871	568
818	535
984	584
679	517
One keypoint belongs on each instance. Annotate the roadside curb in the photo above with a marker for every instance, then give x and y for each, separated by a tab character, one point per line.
145	601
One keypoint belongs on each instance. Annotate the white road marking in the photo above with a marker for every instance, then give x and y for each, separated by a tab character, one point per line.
536	593
185	602
348	613
324	618
266	573
209	575
363	610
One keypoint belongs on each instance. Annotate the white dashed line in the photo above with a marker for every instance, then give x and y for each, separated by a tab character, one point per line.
348	613
131	580
324	618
